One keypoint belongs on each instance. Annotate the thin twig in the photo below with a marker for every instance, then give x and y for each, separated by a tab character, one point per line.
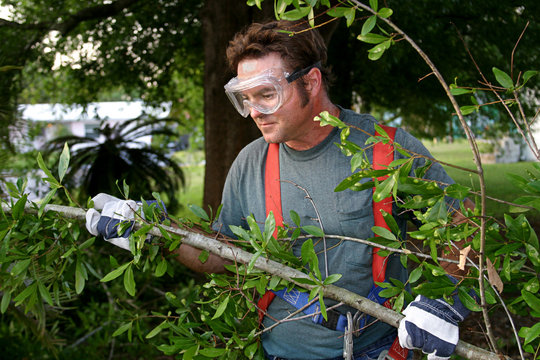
319	219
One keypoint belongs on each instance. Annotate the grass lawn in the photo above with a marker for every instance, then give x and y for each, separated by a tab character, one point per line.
192	193
497	182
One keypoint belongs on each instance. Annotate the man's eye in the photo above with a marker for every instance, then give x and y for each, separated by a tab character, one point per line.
268	96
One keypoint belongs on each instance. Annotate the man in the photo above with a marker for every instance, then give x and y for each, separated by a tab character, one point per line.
282	82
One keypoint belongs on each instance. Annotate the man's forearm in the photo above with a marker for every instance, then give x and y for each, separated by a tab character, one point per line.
189	256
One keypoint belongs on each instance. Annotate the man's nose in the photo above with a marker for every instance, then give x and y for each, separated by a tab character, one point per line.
254	112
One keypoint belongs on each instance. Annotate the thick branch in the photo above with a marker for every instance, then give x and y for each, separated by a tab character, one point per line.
92	13
235	254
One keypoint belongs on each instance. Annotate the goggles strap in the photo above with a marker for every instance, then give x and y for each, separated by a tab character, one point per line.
299	73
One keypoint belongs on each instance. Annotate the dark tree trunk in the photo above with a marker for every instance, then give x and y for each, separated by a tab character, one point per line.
226	132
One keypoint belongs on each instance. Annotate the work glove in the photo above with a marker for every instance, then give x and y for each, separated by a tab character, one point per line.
113	212
432	326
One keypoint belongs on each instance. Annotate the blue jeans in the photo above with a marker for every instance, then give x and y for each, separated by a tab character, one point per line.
370	352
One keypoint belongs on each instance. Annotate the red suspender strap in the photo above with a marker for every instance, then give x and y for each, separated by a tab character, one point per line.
272	190
272	197
383	155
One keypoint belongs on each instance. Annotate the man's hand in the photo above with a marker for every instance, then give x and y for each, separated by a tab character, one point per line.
432	326
113	212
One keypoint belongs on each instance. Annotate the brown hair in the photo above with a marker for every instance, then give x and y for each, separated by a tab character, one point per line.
298	44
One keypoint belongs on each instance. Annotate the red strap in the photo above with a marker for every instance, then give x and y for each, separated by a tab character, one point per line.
272	194
383	155
272	190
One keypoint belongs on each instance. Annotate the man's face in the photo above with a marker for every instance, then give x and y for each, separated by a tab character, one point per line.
290	122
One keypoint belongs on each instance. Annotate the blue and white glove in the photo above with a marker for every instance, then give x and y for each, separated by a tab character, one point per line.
432	326
113	212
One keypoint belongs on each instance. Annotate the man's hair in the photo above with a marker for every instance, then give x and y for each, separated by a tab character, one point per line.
298	44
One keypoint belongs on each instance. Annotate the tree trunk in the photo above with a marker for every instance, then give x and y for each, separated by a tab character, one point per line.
226	132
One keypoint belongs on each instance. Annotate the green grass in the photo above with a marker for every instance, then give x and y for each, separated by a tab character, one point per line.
497	182
192	193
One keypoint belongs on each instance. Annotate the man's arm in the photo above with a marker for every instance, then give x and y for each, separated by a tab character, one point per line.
189	256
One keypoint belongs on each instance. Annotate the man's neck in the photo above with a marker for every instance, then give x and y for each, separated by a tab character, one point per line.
315	133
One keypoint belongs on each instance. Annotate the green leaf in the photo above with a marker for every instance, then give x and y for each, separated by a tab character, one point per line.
296	14
45	201
528	74
157	329
530	333
129	281
269	227
460	91
50	178
161	268
322	305
374	4
80	276
384	233
115	273
192	351
122	329
468	109
63	163
350	14
17	210
25	293
253	260
313	230
20	267
532	254
457	191
532	300
383	190
251	350
6	299
221	308
332	279
415	275
295	217
385	13
326	119
45	293
503	78
369	24
371	38
212	352
307	252
305	281
468	300
199	212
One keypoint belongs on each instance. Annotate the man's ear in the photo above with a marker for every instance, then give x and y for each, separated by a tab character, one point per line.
313	81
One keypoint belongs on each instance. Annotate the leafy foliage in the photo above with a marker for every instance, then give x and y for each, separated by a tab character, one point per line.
119	154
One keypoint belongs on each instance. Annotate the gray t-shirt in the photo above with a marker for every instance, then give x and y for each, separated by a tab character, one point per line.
348	213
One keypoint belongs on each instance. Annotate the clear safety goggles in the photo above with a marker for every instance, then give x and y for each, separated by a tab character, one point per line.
265	92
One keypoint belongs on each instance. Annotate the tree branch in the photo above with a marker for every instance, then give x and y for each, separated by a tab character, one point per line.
92	13
73	20
223	250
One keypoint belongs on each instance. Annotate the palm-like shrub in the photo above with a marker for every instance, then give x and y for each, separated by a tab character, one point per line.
118	154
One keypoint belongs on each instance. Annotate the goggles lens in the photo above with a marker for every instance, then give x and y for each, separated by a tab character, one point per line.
263	92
